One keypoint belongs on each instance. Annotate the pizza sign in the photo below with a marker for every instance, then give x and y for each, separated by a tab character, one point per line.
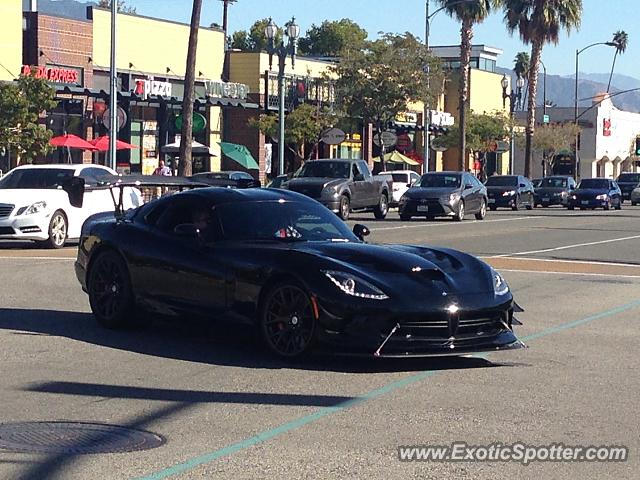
149	86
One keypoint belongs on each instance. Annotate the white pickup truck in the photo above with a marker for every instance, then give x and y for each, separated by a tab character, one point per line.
36	204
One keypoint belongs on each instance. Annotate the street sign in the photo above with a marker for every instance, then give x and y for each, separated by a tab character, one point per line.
388	138
545	119
333	136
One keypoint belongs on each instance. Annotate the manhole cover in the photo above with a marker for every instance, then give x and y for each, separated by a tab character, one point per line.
74	437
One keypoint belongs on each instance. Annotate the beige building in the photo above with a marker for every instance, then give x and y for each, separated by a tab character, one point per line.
10	39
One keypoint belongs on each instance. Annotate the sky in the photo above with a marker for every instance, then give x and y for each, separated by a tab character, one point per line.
599	21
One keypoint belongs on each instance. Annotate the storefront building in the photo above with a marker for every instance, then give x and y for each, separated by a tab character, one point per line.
606	143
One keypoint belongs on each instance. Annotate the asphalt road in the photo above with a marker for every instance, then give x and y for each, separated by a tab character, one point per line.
227	410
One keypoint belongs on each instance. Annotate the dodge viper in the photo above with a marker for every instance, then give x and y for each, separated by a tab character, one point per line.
285	264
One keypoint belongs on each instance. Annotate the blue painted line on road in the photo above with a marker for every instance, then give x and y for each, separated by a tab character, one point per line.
385	389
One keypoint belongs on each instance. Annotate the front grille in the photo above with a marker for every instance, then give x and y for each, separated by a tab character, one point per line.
459	327
7	231
434	207
313	191
5	210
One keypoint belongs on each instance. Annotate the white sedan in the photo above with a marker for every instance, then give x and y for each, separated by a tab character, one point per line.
34	204
400	181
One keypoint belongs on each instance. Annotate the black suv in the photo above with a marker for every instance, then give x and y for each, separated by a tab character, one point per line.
509	191
627	182
554	190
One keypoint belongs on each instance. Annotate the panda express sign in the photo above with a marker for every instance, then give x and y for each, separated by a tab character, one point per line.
55	74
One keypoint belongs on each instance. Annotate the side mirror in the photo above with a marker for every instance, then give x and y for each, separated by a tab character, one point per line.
187	230
409	185
75	190
522	185
360	231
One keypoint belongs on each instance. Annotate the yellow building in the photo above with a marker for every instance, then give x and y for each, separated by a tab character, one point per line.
10	39
151	60
485	96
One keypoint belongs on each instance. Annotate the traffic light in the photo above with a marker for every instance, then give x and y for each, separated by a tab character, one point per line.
638	146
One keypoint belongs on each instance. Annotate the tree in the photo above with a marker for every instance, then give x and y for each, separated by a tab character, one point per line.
539	23
551	139
481	130
184	165
378	82
621	39
469	14
255	40
332	38
21	104
521	65
303	126
122	7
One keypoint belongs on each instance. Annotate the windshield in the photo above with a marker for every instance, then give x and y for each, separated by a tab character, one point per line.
397	177
502	181
324	169
596	183
629	177
439	180
278	220
536	182
554	182
36	178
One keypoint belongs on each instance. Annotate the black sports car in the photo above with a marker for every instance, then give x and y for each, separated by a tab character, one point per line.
283	262
510	191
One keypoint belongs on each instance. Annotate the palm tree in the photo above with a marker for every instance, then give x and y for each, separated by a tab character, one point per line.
620	38
521	65
468	13
539	23
185	160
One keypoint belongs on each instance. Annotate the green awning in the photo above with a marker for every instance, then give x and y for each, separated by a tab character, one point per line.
240	154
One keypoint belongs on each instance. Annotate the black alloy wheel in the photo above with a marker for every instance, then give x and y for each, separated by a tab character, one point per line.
607	205
381	210
619	205
287	321
483	210
345	208
516	204
110	293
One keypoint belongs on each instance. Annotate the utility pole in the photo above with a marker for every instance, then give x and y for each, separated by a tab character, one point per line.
225	23
113	96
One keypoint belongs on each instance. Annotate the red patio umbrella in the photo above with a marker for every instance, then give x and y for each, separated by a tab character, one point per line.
71	141
102	144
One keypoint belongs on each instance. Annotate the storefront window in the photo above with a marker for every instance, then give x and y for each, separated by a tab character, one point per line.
67	117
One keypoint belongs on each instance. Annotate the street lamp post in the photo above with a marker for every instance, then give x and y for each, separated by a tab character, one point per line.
113	97
514	102
575	99
292	31
426	118
544	88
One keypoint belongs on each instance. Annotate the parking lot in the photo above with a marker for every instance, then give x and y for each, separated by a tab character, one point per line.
225	409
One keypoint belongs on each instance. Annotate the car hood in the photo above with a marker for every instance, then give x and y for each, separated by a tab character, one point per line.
590	191
407	270
550	190
324	182
502	189
422	192
21	197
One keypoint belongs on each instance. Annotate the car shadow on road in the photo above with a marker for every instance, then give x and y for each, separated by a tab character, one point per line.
211	343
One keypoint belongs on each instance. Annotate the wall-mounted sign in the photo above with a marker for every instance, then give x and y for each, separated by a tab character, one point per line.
388	138
121	118
55	74
606	127
443	119
410	118
220	89
199	122
149	86
333	136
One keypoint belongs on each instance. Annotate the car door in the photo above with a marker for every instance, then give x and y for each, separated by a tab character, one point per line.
615	192
370	187
470	194
358	187
178	271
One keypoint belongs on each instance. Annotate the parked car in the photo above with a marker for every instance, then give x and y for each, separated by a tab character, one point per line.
35	201
554	190
536	182
231	179
279	181
400	181
445	194
343	186
635	196
627	182
286	265
510	191
595	193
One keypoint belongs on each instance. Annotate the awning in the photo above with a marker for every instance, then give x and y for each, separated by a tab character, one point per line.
240	154
397	157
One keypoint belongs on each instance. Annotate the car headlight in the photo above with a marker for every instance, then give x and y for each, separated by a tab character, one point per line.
509	193
354	285
500	286
604	196
33	208
454	197
573	197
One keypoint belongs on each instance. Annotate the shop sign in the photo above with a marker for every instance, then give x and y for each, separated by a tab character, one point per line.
442	119
55	74
220	89
149	86
333	136
387	138
407	117
606	127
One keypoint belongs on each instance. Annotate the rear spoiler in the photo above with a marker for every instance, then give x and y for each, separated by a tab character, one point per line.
134	181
